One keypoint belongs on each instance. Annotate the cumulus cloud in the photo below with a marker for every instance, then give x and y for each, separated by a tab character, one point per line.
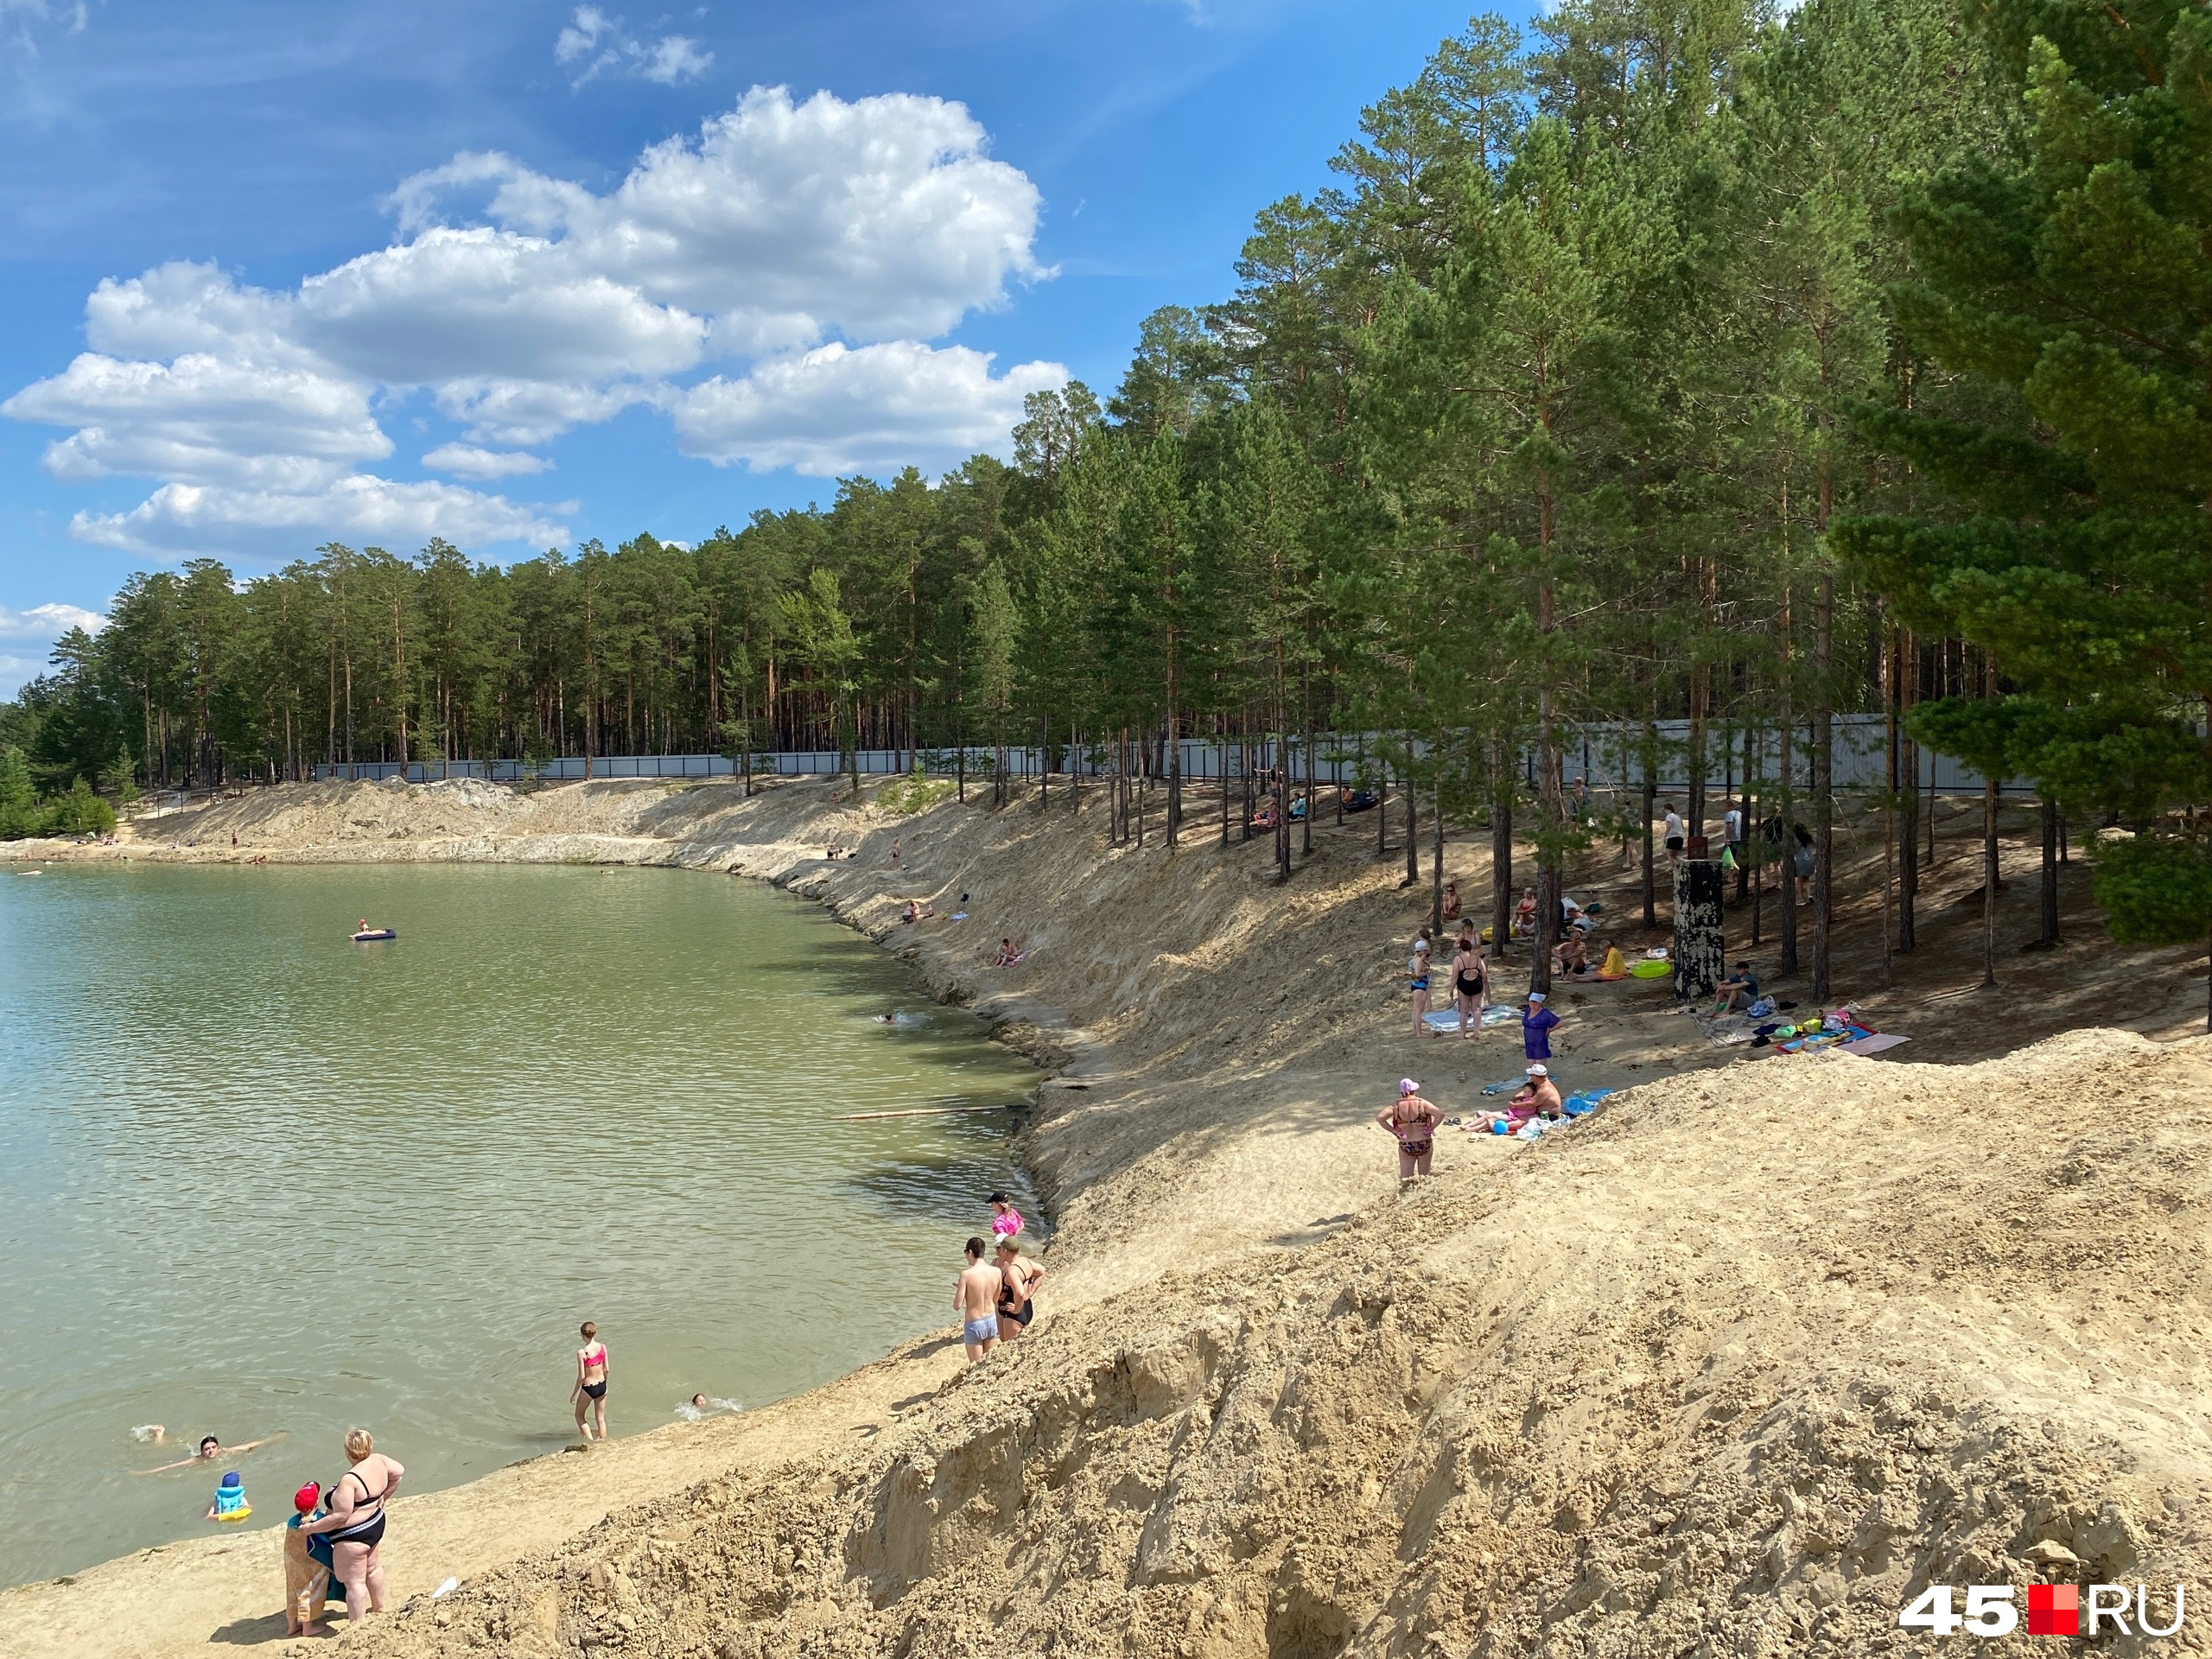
204	418
598	40
819	244
466	461
837	410
48	621
783	221
180	518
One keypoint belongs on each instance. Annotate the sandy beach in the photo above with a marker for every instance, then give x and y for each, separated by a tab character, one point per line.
1757	1345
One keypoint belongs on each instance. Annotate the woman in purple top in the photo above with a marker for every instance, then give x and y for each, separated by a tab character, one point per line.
1537	1024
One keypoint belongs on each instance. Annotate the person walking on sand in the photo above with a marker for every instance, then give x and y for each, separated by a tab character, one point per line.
354	1523
1417	982
897	848
1537	1024
1413	1122
976	1299
590	1392
1019	1278
1674	833
1469	981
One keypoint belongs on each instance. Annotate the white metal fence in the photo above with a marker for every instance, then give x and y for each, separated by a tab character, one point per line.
1608	757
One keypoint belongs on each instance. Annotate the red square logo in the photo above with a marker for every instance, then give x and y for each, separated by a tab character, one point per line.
2053	1610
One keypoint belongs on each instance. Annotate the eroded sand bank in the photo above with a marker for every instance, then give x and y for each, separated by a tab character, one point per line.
1725	1367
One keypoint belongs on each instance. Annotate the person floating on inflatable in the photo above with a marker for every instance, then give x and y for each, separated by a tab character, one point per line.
230	1502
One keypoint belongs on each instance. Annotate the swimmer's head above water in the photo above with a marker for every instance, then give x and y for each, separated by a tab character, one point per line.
210	1446
698	1399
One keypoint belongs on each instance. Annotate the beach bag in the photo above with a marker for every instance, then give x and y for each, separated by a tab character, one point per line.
1728	858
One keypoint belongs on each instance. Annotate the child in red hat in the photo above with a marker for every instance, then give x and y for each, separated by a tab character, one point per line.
307	1581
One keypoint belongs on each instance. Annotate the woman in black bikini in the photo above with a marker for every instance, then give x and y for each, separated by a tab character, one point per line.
355	1522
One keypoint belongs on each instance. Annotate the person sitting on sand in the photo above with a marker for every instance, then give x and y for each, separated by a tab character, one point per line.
1007	955
1615	965
1539	1097
1412	1121
210	1449
1524	915
1450	901
1740	991
1574	959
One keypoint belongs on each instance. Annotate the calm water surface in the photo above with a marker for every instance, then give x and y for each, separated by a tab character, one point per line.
255	1178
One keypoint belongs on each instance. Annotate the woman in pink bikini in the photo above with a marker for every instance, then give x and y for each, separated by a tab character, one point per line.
1413	1122
590	1392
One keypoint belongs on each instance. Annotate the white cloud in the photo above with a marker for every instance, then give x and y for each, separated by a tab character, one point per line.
838	409
600	42
874	226
203	419
466	461
357	508
878	218
460	303
48	621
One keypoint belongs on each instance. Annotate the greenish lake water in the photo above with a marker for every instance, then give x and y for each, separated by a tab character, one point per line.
255	1178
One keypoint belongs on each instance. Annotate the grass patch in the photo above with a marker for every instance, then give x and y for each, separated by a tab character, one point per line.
915	794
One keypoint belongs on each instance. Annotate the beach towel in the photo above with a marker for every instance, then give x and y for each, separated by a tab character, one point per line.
1448	1020
1875	1043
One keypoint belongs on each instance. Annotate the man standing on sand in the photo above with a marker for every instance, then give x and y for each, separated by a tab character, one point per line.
975	1297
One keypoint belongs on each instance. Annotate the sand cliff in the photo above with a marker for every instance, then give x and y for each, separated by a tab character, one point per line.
1727	1367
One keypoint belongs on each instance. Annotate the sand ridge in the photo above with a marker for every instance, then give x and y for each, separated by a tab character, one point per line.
1225	1439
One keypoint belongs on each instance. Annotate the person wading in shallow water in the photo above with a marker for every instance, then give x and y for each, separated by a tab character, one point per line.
590	1392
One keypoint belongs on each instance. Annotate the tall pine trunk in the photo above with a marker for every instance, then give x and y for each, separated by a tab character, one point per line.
1501	848
1823	781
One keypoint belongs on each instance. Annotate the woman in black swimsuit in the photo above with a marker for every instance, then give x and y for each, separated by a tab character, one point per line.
1017	1286
355	1523
1468	980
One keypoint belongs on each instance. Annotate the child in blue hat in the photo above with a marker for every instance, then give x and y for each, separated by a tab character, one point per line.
230	1502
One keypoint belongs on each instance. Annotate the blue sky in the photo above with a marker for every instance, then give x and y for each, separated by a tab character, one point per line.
521	274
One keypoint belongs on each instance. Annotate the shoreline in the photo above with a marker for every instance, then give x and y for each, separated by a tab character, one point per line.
1029	1029
1192	1118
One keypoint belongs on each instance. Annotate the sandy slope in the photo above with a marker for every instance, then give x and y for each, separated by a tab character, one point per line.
1720	1371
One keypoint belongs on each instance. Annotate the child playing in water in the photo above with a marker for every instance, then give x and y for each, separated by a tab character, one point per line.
230	1502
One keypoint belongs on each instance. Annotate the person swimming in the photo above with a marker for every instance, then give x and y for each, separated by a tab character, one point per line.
701	1407
208	1449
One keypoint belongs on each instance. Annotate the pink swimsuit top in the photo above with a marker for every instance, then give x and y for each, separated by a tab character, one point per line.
595	1361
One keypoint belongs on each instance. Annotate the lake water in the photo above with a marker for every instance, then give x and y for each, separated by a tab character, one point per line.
255	1178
